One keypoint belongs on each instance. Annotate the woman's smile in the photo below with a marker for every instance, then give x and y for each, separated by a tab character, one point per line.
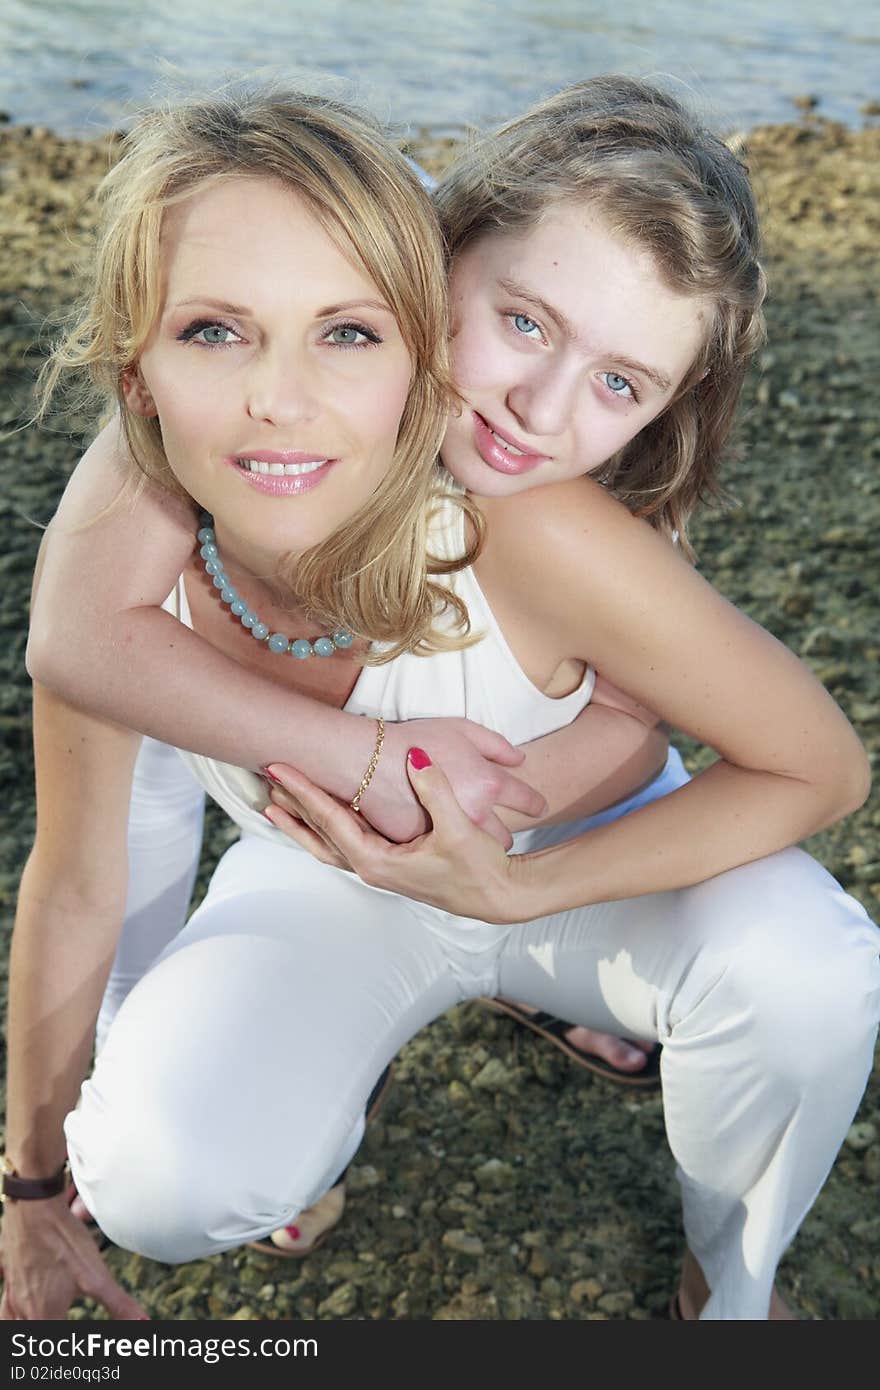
284	473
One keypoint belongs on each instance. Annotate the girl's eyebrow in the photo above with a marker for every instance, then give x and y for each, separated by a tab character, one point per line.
566	327
242	311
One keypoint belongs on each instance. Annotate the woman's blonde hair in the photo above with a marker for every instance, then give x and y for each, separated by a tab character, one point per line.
658	178
372	575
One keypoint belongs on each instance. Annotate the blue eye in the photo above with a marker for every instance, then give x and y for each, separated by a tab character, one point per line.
618	384
345	335
523	324
208	334
351	335
216	334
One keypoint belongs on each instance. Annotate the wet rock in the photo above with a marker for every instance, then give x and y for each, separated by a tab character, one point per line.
341	1303
861	1135
616	1305
585	1291
462	1242
494	1076
495	1175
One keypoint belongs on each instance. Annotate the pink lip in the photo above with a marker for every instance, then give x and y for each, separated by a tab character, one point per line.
496	456
283	485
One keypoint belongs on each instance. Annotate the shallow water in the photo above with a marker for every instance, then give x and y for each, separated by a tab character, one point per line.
78	66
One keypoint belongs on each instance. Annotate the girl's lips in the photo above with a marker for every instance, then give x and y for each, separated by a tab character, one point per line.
496	456
283	484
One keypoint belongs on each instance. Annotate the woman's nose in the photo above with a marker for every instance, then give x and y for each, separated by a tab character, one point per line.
282	389
544	400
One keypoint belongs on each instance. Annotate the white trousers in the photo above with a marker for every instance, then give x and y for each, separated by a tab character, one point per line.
230	1087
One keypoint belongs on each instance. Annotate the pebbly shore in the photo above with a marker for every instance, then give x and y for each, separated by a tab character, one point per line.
499	1181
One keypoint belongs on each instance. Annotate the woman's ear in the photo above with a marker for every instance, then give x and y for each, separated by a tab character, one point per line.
137	396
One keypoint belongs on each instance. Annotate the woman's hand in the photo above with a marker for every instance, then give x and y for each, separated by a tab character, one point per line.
475	761
455	866
50	1260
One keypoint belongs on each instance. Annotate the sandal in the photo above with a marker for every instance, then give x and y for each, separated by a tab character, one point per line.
333	1198
554	1030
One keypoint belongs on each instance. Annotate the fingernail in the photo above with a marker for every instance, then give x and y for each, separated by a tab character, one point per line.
293	1232
267	772
418	759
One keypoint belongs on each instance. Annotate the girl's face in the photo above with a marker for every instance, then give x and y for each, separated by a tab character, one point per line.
566	343
278	373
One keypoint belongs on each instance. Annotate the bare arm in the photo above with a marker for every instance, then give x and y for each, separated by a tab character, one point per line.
70	908
614	748
100	639
789	762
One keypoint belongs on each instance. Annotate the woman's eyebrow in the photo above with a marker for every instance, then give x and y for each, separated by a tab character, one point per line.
205	302
351	304
658	378
241	310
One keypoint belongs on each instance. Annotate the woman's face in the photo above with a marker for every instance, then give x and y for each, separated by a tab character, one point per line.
565	344
278	373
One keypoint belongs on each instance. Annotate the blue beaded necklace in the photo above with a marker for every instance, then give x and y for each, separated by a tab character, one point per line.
300	647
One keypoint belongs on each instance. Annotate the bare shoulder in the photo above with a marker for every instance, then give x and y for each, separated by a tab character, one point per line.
572	537
106	491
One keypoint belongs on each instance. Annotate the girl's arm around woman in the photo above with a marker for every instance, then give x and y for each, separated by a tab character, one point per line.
576	568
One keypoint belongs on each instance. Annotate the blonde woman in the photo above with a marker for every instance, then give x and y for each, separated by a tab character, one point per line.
754	1112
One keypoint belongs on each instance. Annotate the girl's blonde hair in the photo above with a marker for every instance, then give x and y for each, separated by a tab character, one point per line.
372	575
658	178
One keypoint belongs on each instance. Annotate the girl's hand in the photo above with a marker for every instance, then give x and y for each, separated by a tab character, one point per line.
49	1260
455	866
476	762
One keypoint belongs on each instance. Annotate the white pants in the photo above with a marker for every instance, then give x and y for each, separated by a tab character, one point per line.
230	1088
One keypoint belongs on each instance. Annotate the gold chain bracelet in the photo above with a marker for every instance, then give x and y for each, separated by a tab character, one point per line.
371	765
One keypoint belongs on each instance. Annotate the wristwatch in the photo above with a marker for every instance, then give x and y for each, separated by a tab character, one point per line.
16	1189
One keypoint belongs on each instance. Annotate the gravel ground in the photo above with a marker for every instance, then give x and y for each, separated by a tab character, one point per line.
499	1181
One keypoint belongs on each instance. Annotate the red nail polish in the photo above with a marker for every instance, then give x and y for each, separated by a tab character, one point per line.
293	1232
418	759
271	775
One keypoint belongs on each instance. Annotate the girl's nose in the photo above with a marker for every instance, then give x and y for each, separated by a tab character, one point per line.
544	399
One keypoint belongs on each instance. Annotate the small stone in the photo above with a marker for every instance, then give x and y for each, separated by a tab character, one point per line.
868	1230
494	1076
585	1291
462	1242
617	1304
872	1164
458	1093
861	1135
495	1175
399	1212
539	1264
342	1302
267	1291
362	1178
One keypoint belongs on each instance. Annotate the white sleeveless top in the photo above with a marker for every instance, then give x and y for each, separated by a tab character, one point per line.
482	682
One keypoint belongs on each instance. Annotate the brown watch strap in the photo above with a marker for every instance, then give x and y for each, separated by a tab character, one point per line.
17	1189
